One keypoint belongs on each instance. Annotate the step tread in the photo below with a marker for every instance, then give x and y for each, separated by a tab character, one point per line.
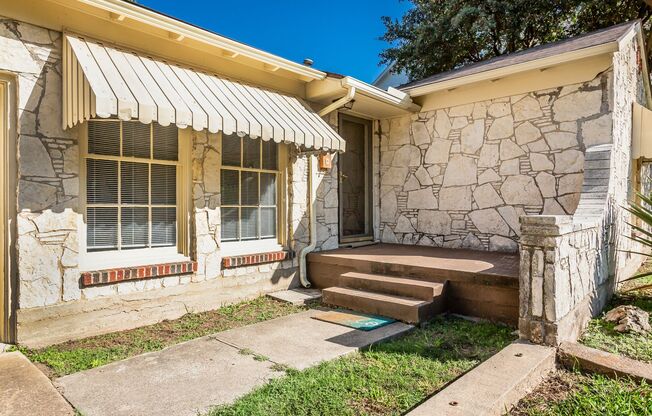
400	300
393	279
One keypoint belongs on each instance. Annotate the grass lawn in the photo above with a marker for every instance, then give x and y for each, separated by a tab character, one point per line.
387	379
83	354
574	394
600	334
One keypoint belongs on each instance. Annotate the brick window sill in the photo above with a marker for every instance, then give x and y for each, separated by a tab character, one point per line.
124	274
230	262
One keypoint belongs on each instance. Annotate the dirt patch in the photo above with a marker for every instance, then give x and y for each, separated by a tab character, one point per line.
556	388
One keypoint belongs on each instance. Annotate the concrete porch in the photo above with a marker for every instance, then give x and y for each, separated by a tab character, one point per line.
412	283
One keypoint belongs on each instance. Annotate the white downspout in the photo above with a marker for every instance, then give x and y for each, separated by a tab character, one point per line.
312	191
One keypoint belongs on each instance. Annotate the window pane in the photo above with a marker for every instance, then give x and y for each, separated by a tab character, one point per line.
135	227
166	142
102	228
136	139
249	188
231	150
270	155
164	185
267	222
267	189
230	190
230	224
251	153
249	223
101	181
135	183
104	137
164	227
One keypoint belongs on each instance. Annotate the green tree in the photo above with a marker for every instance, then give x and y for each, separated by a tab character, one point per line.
439	35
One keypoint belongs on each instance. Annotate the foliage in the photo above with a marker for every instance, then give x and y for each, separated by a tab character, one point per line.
87	353
643	236
439	35
387	379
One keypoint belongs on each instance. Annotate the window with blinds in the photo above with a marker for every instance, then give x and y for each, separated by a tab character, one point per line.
249	179
131	185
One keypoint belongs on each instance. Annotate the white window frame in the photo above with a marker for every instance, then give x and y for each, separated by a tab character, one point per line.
138	257
243	247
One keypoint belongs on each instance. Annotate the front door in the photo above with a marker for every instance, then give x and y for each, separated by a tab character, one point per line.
355	180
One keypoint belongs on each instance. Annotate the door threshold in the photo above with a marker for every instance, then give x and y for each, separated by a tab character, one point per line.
358	244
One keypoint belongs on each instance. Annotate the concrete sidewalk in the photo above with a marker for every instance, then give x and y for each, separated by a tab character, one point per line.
26	391
194	376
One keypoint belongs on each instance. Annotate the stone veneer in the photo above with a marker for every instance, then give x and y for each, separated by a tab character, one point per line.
461	177
48	203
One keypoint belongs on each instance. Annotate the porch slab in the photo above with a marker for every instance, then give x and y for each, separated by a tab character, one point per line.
299	341
26	391
190	378
297	296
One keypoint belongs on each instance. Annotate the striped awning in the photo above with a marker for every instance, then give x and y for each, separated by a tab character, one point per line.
104	81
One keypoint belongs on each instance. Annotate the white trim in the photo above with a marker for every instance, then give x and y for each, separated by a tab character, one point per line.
239	248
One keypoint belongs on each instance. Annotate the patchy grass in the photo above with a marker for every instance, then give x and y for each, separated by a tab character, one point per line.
601	335
387	379
574	394
73	356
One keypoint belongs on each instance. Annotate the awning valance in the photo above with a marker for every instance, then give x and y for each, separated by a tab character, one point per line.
104	81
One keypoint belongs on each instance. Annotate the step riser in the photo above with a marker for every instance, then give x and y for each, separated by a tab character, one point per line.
411	291
409	314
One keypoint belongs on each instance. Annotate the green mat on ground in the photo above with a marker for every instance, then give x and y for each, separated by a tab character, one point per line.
356	320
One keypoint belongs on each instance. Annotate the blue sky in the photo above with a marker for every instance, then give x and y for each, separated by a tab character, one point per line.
340	36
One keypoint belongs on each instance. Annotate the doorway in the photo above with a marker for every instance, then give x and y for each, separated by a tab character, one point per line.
355	180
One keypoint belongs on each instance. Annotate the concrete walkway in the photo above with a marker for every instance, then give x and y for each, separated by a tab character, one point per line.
192	377
26	391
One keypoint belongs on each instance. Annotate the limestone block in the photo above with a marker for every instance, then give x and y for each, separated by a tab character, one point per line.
485	196
34	158
394	176
511	217
40	278
561	140
547	184
488	175
461	170
49	113
526	109
386	157
403	225
442	124
411	184
438	151
510	167
540	162
552	207
331	199
489	221
399	132
499	109
36	196
520	190
459	122
569	202
206	244
71	285
472	137
472	242
331	215
577	105
464	110
526	133
538	146
489	156
422	199
420	133
479	110
457	198
423	176
388	236
501	128
50	221
212	164
95	292
434	171
597	131
71	186
569	161
571	183
15	56
407	155
510	150
499	243
433	222
388	207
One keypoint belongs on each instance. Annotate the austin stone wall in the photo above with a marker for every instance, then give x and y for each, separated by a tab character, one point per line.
461	177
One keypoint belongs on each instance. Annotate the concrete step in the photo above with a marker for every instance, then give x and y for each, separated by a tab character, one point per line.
403	308
412	288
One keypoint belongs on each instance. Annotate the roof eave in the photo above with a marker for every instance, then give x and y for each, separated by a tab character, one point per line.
435	86
182	29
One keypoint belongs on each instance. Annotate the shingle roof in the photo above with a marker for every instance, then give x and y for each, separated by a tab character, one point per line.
599	37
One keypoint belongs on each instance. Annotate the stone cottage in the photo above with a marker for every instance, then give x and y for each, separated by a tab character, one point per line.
153	168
